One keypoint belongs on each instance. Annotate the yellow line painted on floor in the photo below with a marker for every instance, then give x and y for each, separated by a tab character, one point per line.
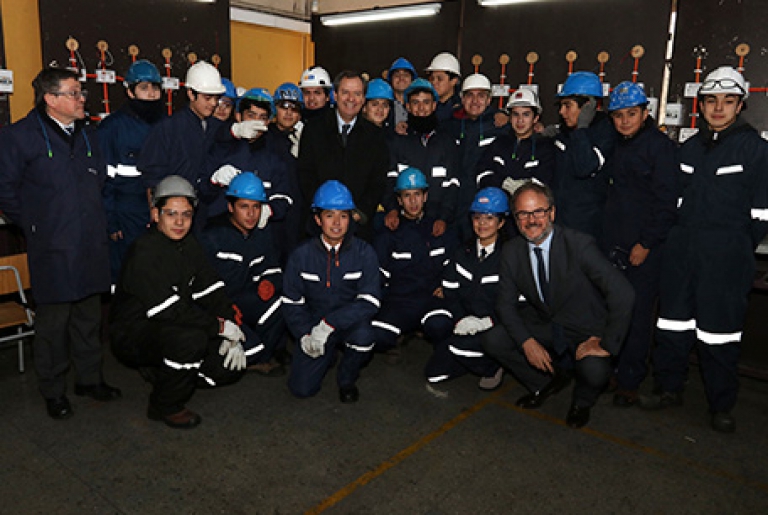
636	446
408	451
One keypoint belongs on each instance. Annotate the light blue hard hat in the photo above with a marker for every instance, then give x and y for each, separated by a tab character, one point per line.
401	63
379	88
333	195
260	95
421	85
142	71
411	179
230	91
585	84
246	185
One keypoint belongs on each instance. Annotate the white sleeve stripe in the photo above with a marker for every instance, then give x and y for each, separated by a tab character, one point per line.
760	214
600	157
435	312
370	298
482	175
229	255
215	286
160	307
286	300
272	309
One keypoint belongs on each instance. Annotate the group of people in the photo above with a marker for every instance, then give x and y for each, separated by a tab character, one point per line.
346	215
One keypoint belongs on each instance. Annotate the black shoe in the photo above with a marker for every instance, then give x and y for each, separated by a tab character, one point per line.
577	417
625	398
349	394
661	400
59	409
536	399
100	392
723	422
184	419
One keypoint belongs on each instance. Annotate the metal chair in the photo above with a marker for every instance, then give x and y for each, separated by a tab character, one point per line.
14	279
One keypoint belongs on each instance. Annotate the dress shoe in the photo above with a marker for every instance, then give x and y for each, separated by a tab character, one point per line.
59	409
536	399
491	383
660	400
723	422
349	394
577	417
101	392
625	398
184	419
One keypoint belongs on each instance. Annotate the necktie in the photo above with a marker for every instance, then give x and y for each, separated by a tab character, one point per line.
344	133
483	254
69	130
542	272
204	123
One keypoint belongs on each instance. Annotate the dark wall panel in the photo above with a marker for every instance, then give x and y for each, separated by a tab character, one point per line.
182	26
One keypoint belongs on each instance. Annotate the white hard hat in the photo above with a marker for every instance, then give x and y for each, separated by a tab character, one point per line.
524	98
315	77
174	186
445	62
724	80
476	81
204	78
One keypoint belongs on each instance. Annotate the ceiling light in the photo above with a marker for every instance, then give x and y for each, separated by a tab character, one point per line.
396	13
494	3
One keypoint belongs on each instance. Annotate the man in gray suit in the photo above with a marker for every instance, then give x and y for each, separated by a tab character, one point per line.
563	308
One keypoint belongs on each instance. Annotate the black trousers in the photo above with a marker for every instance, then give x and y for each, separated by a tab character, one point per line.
591	373
65	333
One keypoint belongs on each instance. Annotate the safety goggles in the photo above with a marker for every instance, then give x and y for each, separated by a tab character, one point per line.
287	104
721	86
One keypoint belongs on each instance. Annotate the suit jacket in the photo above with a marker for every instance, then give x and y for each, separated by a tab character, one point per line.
589	296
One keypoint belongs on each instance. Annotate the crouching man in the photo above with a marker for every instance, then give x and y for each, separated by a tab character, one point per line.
170	314
331	292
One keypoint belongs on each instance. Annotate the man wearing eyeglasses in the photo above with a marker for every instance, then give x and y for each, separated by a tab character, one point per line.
562	306
51	176
709	263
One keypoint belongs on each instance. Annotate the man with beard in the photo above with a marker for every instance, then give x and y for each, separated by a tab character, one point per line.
122	135
575	314
430	150
343	145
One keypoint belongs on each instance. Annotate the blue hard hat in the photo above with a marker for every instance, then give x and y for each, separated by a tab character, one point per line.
491	201
289	91
411	179
142	71
585	84
421	85
401	63
246	185
627	94
333	195
379	88
260	95
231	91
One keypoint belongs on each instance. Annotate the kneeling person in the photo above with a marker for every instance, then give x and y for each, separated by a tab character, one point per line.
330	294
170	314
246	259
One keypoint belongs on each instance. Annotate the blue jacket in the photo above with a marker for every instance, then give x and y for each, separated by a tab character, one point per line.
471	286
509	157
50	185
343	289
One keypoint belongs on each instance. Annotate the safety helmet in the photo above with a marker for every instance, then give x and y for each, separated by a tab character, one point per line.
142	71
315	77
401	63
724	80
260	96
420	85
524	98
627	94
174	186
445	62
476	81
379	88
585	84
490	201
411	179
229	89
333	195
204	78
246	185
289	91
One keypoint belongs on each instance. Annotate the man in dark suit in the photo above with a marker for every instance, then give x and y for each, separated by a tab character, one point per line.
562	307
344	146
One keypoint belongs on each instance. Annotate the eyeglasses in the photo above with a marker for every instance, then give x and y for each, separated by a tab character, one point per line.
287	104
74	95
709	85
538	214
172	213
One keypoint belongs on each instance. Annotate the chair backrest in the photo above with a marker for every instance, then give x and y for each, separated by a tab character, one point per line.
8	279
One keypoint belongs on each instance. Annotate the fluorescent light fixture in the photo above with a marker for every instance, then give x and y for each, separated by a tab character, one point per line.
494	3
395	13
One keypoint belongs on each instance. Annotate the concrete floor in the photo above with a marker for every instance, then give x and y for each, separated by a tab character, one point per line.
400	450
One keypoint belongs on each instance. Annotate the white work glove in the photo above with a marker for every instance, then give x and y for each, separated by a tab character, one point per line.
248	129
310	348
321	332
472	325
266	214
587	114
231	332
235	355
295	136
224	175
550	131
510	185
